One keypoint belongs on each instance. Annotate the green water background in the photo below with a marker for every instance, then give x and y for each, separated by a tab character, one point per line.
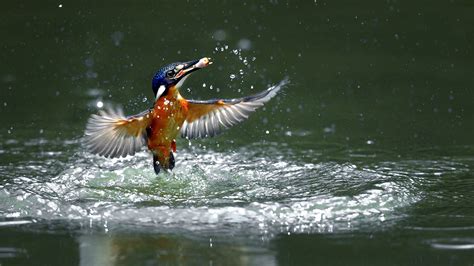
371	82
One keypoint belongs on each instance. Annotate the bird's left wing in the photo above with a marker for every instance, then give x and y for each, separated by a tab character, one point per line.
208	118
112	134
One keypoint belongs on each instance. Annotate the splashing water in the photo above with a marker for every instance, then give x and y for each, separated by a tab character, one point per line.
241	61
260	189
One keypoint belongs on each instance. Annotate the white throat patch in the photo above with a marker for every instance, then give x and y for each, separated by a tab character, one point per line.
160	91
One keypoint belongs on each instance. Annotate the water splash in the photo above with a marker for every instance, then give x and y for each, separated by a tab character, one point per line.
266	189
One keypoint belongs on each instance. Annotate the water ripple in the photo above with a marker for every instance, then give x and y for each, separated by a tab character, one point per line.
266	189
452	243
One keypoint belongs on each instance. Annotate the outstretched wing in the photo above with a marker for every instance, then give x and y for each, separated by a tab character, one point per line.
208	118
111	134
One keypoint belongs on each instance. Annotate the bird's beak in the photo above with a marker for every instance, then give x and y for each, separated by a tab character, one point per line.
192	66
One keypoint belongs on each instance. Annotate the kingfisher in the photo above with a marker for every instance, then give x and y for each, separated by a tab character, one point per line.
112	134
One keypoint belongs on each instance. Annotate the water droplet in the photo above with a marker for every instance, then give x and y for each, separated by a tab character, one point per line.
60	5
244	44
330	129
100	104
370	142
117	37
204	85
267	132
91	74
232	76
219	35
144	99
89	62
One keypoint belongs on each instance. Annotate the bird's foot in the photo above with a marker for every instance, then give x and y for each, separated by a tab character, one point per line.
171	161
156	165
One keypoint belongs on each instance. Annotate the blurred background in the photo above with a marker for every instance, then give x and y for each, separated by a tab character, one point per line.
366	157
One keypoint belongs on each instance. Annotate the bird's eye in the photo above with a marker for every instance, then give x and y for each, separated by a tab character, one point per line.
170	74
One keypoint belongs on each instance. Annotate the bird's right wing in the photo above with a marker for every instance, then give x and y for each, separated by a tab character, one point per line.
111	134
208	118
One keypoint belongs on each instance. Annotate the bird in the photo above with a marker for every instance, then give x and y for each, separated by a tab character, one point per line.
111	134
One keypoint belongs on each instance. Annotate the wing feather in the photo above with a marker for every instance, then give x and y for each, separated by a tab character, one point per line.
208	118
111	134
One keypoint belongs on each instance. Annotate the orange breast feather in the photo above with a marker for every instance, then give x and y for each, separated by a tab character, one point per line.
168	116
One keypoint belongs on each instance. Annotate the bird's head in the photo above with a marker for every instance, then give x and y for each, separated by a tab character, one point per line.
174	75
